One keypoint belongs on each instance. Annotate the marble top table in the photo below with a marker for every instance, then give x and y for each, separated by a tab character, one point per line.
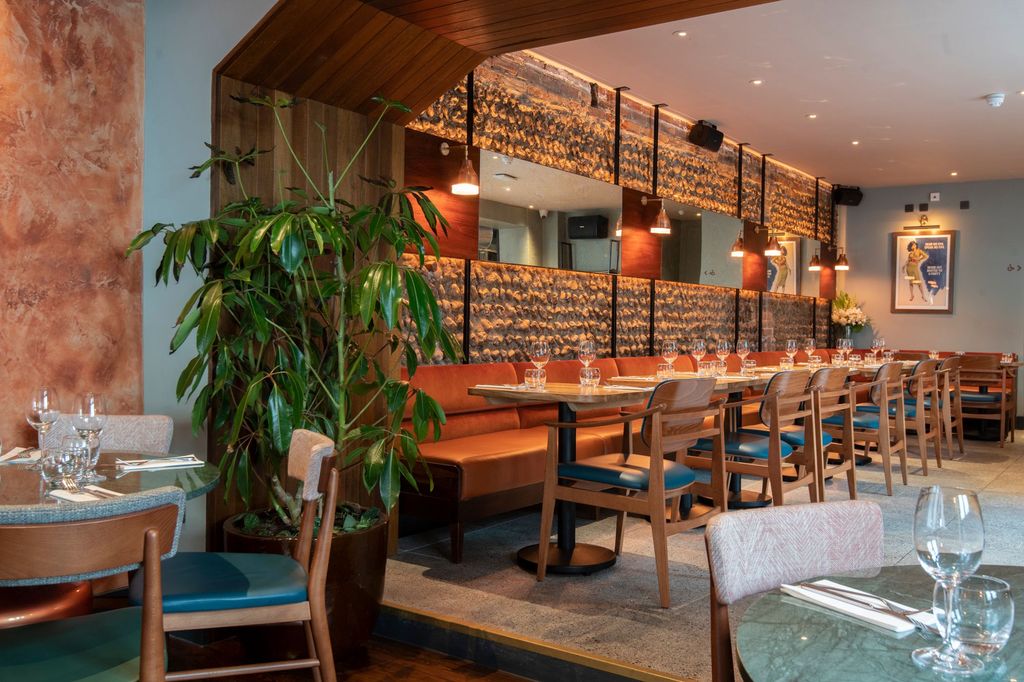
783	638
20	484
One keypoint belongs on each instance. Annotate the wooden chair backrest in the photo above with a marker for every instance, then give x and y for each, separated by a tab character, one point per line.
829	380
310	507
923	375
683	403
892	373
909	355
790	389
981	370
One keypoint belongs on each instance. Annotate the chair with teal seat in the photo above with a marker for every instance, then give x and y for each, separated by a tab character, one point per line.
923	401
643	484
762	451
951	407
50	544
831	399
988	392
218	589
888	434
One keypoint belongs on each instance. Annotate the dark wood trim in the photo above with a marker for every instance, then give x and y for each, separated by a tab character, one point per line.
760	321
654	154
739	179
470	108
650	327
617	150
736	320
467	278
615	316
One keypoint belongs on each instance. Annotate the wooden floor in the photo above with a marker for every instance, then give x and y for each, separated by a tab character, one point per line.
384	660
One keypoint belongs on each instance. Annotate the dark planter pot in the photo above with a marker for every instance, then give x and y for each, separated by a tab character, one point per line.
355	587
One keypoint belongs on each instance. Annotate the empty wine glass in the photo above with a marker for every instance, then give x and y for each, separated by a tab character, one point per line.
42	411
791	348
586	352
810	345
89	416
540	353
722	349
742	350
699	350
670	351
843	346
949	536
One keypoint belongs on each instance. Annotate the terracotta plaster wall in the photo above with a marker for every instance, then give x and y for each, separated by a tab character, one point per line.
71	99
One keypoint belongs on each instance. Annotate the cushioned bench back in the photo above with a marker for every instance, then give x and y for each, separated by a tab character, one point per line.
468	415
562	372
647	365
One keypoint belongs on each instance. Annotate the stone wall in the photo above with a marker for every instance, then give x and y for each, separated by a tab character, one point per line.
785	317
748	318
634	316
692	311
822	321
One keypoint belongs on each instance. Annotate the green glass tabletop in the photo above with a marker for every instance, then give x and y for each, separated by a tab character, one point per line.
20	484
783	638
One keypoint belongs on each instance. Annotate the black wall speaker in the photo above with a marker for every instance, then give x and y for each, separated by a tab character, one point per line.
706	135
588	227
847	196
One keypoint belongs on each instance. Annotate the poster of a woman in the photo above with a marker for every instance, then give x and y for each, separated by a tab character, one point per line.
923	271
784	268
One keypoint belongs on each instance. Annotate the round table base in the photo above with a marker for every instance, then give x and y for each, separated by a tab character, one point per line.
584	560
748	499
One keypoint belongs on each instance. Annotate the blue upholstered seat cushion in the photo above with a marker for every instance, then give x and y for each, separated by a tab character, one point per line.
912	403
794	435
746	445
100	646
210	581
633	473
977	397
908	409
861	420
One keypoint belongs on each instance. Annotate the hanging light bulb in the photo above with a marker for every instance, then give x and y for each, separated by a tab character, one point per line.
662	224
772	248
618	226
738	250
842	263
467	183
815	264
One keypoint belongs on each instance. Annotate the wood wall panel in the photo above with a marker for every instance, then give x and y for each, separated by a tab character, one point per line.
71	182
755	263
426	166
643	257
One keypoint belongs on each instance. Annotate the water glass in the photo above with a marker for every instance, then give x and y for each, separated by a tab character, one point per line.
721	368
814	361
748	368
888	356
590	376
933	355
535	379
855	360
665	370
78	453
1007	358
982	616
786	364
706	369
54	465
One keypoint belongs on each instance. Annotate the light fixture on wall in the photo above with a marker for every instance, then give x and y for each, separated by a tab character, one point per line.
738	250
815	264
773	247
618	226
662	225
842	263
467	182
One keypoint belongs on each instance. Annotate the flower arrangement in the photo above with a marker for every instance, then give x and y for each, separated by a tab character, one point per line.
846	312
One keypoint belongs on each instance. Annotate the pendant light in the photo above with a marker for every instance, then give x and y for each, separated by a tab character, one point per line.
662	225
618	226
772	248
815	264
467	182
842	263
738	250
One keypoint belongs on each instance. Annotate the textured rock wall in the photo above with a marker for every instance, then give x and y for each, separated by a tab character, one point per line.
513	305
821	322
446	279
692	311
748	317
71	189
634	316
784	318
636	145
692	175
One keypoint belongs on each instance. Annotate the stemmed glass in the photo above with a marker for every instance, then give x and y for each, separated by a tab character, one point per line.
949	536
722	349
699	350
42	411
810	345
89	416
876	345
670	351
843	346
540	353
742	350
586	352
791	348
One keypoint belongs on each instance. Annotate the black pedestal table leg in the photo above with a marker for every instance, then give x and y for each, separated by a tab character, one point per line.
734	421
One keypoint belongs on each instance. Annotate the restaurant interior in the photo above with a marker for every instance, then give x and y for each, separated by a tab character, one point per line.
649	340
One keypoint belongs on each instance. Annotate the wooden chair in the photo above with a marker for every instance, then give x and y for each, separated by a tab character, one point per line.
951	405
988	392
888	434
830	398
643	484
923	408
217	589
778	441
66	543
757	550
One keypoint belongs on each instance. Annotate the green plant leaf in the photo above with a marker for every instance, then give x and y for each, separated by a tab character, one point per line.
293	252
185	328
280	419
209	316
390	484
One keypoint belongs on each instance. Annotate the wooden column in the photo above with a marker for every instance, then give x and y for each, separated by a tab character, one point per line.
755	263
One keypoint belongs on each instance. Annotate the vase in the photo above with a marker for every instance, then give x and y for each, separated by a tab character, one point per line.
848	330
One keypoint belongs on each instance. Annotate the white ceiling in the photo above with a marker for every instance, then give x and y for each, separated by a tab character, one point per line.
906	78
541	187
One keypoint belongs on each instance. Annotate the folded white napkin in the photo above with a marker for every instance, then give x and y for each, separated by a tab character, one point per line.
159	463
86	494
504	387
15	453
619	387
638	377
897	624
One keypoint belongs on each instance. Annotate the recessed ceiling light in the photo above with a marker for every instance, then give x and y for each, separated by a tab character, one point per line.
812	116
679	34
508	189
1021	92
531	205
855	142
757	81
953	173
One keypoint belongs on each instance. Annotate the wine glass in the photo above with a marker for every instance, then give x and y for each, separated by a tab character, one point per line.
876	345
42	411
742	350
586	352
791	348
810	345
949	536
540	353
722	350
843	346
699	350
89	416
670	351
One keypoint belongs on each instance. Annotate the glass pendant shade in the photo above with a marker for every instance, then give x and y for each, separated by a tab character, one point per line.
815	264
773	248
618	227
842	263
662	224
467	183
737	250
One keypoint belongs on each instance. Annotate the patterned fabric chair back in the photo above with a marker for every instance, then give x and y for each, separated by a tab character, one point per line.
142	433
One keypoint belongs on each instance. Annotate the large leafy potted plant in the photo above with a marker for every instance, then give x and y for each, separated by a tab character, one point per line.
302	314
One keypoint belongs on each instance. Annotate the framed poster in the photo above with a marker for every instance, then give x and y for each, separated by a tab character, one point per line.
784	270
922	271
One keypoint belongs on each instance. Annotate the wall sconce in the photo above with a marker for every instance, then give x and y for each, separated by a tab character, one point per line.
467	182
815	264
738	250
661	225
618	226
842	263
773	247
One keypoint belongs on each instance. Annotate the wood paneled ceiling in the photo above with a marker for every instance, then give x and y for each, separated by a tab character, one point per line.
345	52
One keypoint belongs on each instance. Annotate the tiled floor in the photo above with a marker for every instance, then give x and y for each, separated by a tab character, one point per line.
615	613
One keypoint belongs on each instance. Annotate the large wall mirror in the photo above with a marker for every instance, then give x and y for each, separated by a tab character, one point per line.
534	215
698	249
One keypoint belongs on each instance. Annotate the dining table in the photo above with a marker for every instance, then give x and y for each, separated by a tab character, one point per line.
781	637
21	483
